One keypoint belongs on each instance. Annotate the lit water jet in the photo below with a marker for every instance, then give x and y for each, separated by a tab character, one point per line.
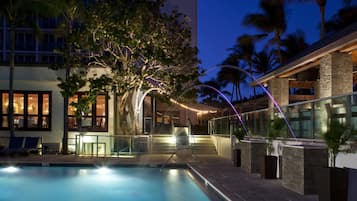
277	106
225	98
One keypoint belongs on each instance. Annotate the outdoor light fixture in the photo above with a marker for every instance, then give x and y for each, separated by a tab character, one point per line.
88	139
10	169
173	172
172	139
126	156
103	170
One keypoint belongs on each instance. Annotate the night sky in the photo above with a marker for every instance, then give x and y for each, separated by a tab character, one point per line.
220	22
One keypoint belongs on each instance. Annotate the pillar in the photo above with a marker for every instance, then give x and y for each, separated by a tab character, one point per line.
336	76
279	89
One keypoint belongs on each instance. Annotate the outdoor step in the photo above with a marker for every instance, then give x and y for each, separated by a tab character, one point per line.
200	144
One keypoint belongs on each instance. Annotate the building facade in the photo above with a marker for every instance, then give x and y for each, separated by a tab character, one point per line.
38	104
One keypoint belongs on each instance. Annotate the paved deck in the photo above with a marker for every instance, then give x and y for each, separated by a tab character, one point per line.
236	184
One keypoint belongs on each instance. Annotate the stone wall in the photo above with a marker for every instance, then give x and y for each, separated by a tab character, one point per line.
299	167
223	146
279	88
252	155
336	77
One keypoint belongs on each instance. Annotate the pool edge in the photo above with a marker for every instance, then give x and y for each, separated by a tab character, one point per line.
208	185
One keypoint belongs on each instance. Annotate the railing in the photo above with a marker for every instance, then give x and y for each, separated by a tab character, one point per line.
120	145
308	119
114	145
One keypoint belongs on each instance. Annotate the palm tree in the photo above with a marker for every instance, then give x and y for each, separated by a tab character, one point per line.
322	8
209	96
272	20
342	19
264	61
244	49
293	44
233	76
71	11
16	12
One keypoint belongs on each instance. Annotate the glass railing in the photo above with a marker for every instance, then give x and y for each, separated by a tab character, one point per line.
115	145
307	119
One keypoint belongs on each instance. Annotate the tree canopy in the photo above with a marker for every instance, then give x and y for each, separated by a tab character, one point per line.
138	45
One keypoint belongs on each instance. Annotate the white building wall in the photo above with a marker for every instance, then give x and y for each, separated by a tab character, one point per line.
37	79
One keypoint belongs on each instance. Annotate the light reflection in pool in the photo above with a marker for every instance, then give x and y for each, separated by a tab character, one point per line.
93	184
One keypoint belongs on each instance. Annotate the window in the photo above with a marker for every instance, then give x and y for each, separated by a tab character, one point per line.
96	119
31	110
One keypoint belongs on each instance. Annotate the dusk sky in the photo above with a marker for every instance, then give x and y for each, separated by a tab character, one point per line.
220	22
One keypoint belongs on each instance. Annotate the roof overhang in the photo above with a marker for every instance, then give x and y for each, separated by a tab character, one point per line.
343	41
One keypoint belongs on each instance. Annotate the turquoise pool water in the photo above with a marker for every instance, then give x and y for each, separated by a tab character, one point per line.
93	184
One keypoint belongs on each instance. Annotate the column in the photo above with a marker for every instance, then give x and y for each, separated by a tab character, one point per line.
279	89
336	76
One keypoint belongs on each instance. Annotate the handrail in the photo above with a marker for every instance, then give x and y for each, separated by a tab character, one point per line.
123	149
163	165
166	162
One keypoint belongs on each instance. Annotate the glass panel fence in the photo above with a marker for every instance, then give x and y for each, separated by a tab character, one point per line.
306	119
96	145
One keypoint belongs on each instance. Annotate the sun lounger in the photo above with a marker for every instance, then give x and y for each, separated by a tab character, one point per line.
31	145
15	145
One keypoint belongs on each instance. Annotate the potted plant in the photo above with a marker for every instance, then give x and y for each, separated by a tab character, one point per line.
270	161
333	181
239	134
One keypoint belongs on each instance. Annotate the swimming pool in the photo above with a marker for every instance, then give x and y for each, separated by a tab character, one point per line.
31	183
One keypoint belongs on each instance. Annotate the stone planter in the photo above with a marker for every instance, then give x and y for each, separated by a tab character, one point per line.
270	167
237	157
300	164
252	155
332	184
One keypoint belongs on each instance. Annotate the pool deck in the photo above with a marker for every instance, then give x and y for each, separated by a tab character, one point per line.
218	173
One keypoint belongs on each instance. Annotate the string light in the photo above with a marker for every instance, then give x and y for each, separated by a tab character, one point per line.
199	112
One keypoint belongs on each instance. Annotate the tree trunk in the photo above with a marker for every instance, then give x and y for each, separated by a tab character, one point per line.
237	96
322	18
240	92
11	78
278	42
65	121
127	123
68	50
68	53
254	90
232	92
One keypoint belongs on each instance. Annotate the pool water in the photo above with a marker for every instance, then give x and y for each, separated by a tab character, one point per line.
93	184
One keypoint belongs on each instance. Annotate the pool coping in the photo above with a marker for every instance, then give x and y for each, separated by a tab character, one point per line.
208	185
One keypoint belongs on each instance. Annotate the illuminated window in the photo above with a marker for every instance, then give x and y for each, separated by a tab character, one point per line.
96	119
31	110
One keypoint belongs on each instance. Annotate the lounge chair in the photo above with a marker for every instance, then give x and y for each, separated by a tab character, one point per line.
31	145
15	145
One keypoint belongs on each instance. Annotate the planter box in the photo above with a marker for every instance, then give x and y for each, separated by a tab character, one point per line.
252	155
299	167
270	167
237	157
332	184
280	167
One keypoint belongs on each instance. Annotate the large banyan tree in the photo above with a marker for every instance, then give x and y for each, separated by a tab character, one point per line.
139	47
